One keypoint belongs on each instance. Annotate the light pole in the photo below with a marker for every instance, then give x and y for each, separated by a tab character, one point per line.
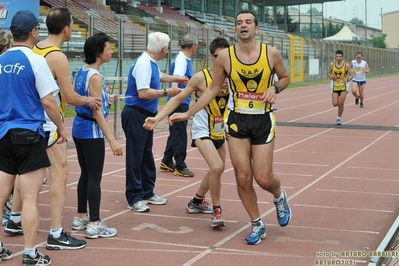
365	18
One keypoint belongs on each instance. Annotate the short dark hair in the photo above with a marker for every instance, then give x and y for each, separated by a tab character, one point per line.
22	37
246	12
218	42
58	19
94	46
359	53
339	52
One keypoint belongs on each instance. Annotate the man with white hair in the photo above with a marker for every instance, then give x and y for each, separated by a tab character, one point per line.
142	96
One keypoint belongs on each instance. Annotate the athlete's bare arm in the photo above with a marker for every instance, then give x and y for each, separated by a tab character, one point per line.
197	82
277	64
350	73
330	74
221	66
59	65
95	84
366	68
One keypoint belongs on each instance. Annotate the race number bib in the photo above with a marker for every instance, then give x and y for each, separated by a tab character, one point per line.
250	103
218	126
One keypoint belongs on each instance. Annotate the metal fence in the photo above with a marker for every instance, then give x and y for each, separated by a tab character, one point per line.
129	39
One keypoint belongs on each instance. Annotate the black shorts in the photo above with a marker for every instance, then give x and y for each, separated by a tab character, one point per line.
22	159
260	129
217	143
360	83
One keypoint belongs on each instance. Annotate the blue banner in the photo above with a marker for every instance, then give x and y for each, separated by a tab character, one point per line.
9	8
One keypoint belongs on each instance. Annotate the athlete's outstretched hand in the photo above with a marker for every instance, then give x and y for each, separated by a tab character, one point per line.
150	123
178	117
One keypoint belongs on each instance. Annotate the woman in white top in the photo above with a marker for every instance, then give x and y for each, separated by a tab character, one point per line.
360	68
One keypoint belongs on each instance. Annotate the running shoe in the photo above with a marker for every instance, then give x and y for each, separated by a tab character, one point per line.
5	254
339	122
217	220
13	228
357	100
184	172
65	241
139	206
39	259
283	210
168	167
361	105
258	233
199	208
80	224
155	200
100	230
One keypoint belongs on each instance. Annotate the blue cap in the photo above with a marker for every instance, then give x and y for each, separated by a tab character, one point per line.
24	21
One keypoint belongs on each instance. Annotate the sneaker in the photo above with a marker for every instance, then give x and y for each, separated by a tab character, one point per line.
283	210
80	224
100	230
258	233
184	172
339	122
13	228
361	105
139	207
155	200
5	254
167	167
357	100
199	208
7	208
40	259
65	241
217	220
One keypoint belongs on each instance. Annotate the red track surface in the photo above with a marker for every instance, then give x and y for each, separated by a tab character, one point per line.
342	185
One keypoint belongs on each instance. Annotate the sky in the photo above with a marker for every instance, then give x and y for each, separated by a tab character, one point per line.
346	10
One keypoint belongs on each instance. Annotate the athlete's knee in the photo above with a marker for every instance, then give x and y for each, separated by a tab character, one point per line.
265	181
217	170
242	181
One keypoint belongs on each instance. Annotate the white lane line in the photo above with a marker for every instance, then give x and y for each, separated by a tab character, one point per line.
333	108
357	192
303	164
244	227
373	168
341	208
366	179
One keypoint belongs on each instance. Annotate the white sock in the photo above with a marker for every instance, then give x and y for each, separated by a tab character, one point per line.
15	217
31	252
56	233
257	220
279	198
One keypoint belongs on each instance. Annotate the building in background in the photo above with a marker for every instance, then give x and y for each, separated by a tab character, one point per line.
390	24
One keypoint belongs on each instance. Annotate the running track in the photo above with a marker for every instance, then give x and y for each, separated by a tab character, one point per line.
342	184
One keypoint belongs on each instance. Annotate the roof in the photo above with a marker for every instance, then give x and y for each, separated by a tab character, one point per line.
344	35
290	2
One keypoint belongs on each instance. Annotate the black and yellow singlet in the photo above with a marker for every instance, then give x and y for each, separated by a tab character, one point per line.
211	116
339	73
248	82
44	52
